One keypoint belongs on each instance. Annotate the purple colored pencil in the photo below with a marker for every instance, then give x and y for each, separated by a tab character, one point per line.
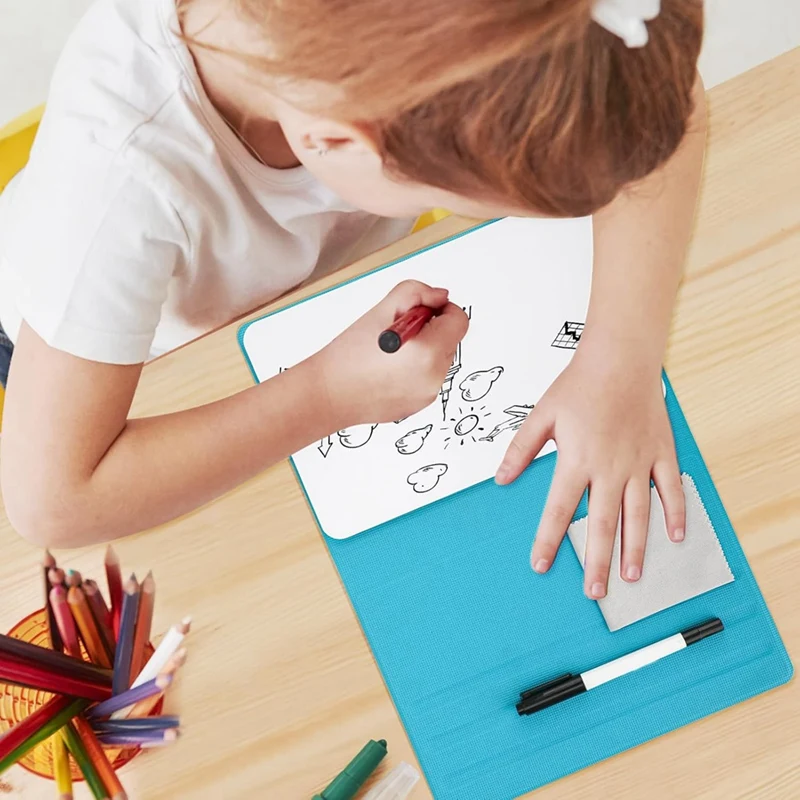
127	626
129	698
138	739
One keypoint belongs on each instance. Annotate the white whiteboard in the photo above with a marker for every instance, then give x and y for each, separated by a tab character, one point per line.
526	285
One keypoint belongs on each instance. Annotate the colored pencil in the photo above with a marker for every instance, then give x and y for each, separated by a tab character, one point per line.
138	739
74	578
138	724
52	627
65	621
78	750
61	767
54	662
109	706
99	759
56	577
90	633
37	727
114	578
169	644
102	616
122	658
145	707
21	672
144	623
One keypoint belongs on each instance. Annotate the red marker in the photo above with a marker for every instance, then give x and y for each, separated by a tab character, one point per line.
404	328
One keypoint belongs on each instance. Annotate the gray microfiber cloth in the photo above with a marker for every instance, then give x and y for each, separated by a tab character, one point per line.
672	572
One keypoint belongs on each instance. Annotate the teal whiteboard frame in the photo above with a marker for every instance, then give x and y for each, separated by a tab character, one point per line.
459	625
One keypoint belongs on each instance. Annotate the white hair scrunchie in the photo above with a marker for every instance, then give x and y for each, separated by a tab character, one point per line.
626	18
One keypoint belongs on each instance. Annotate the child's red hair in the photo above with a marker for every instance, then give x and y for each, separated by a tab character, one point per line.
528	102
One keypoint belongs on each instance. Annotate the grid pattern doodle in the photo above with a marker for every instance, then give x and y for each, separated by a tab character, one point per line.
569	336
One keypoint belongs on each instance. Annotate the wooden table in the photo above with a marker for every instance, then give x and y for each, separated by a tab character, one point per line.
281	689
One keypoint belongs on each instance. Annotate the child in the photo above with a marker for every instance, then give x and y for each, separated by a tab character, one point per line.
196	162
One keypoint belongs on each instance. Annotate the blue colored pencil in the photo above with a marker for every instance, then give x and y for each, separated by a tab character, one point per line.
135	724
122	659
138	738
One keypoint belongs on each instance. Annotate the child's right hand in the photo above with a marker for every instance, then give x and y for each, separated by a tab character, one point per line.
362	384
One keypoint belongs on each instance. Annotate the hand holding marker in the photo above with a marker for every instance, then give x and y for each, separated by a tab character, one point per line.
405	327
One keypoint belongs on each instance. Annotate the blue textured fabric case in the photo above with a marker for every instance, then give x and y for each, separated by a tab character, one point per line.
459	625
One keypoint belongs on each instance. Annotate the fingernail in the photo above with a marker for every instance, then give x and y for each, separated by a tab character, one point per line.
598	590
678	535
502	474
633	573
542	565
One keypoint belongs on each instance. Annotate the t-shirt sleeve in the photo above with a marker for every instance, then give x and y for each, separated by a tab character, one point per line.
93	248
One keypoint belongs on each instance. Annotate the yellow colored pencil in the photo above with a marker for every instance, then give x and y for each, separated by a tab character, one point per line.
63	772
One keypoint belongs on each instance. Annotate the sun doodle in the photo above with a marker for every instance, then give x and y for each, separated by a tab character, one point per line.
466	425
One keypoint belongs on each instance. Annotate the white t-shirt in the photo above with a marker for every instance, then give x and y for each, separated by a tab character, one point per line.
141	221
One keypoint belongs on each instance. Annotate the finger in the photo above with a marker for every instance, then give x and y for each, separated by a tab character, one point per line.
667	478
635	522
562	500
408	294
446	329
525	446
604	510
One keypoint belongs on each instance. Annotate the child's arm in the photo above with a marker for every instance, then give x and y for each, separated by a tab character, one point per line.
606	411
76	470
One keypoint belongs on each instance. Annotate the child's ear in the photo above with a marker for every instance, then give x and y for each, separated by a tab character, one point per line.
327	136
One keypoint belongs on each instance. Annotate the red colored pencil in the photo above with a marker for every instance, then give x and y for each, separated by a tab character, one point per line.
144	623
65	621
114	578
405	327
52	627
37	727
57	663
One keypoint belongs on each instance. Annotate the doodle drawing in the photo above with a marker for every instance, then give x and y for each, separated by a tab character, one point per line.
412	441
426	478
466	424
479	384
516	416
569	336
357	436
455	368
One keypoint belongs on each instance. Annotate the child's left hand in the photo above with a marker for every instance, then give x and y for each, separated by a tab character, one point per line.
610	423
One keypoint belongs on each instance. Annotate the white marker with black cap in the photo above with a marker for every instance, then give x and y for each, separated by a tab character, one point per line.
566	686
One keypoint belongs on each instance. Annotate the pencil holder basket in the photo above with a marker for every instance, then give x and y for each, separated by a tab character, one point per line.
17	703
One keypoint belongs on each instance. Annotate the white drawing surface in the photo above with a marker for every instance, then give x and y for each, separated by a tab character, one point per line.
523	282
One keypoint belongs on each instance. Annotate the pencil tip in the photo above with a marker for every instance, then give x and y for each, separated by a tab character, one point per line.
149	582
111	555
49	561
186	624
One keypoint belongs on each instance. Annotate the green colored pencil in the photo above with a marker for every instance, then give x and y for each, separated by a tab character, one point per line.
78	750
55	723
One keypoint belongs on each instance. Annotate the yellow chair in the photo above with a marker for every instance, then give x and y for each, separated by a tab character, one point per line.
16	140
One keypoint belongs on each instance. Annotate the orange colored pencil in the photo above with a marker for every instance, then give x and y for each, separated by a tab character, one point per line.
74	578
144	624
99	759
145	707
90	633
65	622
114	578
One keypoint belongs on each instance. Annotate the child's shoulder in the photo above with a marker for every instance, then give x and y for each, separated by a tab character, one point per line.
118	71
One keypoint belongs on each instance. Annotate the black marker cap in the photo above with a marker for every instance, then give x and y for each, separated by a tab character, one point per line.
703	630
389	342
550	693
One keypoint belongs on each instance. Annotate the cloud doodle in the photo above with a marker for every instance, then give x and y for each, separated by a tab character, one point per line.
478	384
426	478
357	436
412	441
